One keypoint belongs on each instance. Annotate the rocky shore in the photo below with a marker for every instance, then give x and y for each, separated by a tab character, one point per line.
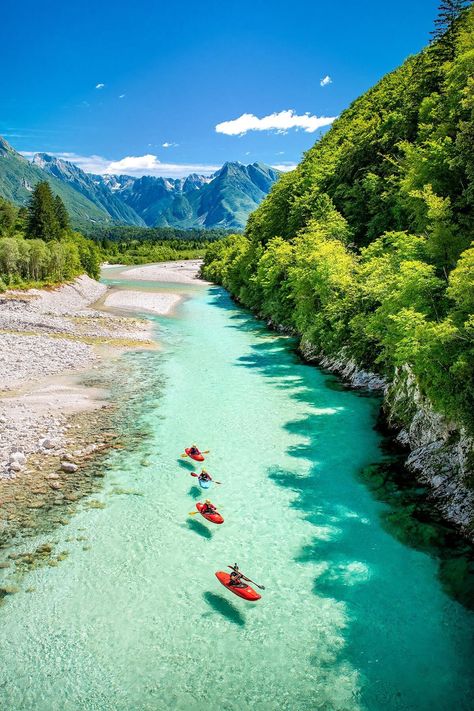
51	423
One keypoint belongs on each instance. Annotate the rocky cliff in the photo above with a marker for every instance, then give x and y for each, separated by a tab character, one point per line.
441	453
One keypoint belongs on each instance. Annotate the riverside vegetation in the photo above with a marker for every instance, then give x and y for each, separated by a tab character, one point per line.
38	246
365	249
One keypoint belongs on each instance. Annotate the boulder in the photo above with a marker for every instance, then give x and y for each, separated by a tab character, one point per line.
69	467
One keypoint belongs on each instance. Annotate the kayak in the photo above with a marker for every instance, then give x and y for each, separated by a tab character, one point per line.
243	590
205	483
196	457
214	517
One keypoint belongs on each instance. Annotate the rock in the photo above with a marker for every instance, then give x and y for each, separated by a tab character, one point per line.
69	467
68	458
17	457
46	443
15	466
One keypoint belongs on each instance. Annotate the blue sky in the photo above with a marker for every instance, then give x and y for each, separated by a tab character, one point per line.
172	72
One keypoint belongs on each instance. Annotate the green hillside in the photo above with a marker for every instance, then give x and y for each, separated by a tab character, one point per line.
365	249
18	178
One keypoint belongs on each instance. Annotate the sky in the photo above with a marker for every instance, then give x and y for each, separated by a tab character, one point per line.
163	88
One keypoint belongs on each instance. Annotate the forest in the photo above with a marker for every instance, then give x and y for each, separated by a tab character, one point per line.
38	246
365	249
138	245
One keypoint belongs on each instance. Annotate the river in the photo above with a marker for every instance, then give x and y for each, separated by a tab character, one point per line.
134	619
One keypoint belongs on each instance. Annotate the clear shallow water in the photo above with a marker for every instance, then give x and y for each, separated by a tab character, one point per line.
350	619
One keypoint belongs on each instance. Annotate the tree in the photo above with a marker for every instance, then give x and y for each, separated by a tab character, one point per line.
42	219
9	255
448	12
62	214
8	214
445	26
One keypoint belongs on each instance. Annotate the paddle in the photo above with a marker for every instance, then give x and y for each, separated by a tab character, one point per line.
262	587
197	477
206	451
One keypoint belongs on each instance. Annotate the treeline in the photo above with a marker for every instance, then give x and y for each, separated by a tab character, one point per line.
38	246
138	252
365	249
104	235
138	245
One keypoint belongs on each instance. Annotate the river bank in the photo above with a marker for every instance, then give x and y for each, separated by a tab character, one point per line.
53	422
349	598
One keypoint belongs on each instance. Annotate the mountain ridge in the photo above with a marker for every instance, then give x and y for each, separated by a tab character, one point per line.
224	199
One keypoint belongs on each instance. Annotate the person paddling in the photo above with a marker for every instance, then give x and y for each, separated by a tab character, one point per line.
204	476
236	576
208	508
194	450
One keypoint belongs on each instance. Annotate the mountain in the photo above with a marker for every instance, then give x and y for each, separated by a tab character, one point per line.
18	177
88	185
225	199
222	200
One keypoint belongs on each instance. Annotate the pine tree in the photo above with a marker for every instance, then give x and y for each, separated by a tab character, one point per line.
445	26
42	220
62	214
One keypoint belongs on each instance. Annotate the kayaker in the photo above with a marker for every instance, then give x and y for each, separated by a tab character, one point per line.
205	476
236	576
208	508
194	450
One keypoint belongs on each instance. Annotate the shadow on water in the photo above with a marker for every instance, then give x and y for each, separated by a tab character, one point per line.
194	492
184	464
408	516
225	608
198	528
346	548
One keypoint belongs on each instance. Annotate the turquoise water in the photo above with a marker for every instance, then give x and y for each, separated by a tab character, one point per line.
351	618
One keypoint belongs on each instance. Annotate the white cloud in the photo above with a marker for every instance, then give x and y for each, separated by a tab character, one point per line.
279	122
122	96
150	165
131	165
168	144
325	80
285	167
99	86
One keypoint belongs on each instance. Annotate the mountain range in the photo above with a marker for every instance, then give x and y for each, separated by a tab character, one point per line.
224	199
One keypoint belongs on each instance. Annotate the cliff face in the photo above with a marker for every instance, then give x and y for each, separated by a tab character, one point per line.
441	453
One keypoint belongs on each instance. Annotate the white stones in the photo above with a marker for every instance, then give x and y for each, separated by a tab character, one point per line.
15	466
69	467
18	457
68	458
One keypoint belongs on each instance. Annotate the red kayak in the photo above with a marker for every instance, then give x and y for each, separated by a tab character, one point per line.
241	590
197	457
213	517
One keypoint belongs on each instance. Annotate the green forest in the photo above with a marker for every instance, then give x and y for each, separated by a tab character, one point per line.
366	248
127	244
38	246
